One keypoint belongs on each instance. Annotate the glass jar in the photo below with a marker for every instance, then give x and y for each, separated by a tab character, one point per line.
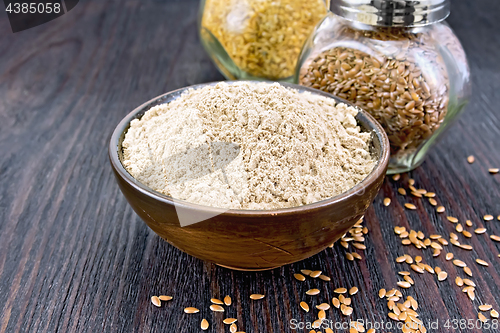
257	39
398	61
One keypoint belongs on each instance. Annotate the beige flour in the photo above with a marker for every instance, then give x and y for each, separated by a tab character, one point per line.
248	146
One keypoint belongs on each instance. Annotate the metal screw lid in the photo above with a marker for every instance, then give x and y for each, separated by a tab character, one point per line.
392	13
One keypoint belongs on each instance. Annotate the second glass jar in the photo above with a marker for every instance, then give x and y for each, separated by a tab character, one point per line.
413	79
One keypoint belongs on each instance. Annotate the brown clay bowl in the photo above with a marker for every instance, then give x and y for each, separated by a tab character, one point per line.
251	239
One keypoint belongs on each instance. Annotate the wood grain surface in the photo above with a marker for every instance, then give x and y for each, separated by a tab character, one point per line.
74	257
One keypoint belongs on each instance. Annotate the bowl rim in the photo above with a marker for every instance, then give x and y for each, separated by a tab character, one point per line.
114	145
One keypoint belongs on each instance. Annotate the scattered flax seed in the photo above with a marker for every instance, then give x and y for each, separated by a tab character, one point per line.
442	276
416	194
399	230
466	234
407	278
216	301
312	292
315	274
482	317
227	300
346	311
401	259
459	228
353	291
340	290
495	238
229	321
387	202
391	293
437	269
381	293
232	328
156	301
216	308
321	314
347	301
402	191
466	247
411	181
323	306
404	284
459	282
410	206
393	316
471	159
417	269
433	201
480	230
482	262
356	255
165	298
358	326
304	306
404	273
359	246
306	271
336	302
299	277
459	263
316	323
257	296
396	177
436	246
430	194
467	271
493	171
494	314
191	310
440	209
349	256
443	241
324	277
449	256
471	294
485	307
452	219
488	217
418	259
469	282
204	324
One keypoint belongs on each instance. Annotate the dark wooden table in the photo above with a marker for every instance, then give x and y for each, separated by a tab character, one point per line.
75	257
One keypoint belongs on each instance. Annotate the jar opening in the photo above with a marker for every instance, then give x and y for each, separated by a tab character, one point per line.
392	13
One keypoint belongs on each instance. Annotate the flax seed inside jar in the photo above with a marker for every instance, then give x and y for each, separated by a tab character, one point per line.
397	67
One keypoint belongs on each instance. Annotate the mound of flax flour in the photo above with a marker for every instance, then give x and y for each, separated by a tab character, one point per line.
248	146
